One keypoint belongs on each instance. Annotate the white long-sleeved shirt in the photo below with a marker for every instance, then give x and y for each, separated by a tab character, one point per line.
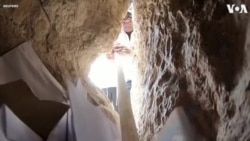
124	40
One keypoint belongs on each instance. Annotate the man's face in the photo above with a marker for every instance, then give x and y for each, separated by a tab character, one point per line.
127	23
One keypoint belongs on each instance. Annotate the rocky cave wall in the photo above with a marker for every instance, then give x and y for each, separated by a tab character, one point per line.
194	54
190	53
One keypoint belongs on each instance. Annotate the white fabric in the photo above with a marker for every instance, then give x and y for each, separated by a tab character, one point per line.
2	136
62	131
16	130
178	128
84	122
23	63
131	8
90	123
123	40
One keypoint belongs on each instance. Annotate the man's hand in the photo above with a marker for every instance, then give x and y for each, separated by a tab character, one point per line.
121	50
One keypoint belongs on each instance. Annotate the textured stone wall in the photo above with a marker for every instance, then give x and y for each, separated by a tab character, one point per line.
195	54
190	53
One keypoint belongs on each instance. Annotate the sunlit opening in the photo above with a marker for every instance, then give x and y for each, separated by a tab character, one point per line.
103	72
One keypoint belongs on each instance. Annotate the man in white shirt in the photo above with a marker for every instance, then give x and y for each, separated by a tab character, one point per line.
124	45
125	37
123	48
125	41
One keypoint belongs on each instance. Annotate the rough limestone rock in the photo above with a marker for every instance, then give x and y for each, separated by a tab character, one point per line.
195	54
191	53
67	35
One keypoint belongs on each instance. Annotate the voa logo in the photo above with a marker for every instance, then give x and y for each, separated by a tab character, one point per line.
233	8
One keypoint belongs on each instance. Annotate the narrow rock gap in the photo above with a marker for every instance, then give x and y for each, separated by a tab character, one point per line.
192	50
